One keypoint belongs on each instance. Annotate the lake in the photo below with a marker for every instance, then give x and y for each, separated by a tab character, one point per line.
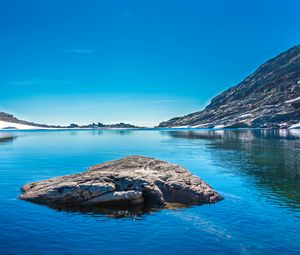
257	172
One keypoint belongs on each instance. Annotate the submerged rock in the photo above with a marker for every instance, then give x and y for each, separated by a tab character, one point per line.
131	181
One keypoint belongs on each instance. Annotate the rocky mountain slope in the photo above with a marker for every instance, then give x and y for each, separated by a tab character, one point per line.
270	97
9	121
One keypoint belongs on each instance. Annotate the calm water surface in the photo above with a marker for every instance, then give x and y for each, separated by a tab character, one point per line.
257	171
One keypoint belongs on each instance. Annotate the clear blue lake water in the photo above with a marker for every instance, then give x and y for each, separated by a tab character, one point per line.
257	172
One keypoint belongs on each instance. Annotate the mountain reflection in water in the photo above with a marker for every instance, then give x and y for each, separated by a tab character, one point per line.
272	157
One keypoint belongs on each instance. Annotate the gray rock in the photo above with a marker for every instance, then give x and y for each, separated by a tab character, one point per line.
130	181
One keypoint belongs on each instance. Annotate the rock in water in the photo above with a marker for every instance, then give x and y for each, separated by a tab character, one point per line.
130	181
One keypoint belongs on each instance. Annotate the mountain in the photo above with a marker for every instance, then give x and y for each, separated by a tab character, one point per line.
8	121
268	98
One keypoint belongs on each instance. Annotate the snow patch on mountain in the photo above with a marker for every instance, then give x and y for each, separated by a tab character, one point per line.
11	125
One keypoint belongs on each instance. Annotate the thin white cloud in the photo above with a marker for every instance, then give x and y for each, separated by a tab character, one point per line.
79	51
171	101
37	82
21	82
3	37
160	101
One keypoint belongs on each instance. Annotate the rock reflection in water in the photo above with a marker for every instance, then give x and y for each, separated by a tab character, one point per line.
132	212
6	138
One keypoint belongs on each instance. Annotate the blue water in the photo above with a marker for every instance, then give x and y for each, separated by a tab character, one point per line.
257	172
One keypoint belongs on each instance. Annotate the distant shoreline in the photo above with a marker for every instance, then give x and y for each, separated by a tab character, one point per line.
142	128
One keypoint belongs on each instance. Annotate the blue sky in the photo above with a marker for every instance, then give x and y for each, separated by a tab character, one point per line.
133	61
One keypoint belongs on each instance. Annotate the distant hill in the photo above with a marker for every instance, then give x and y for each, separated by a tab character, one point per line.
268	98
9	118
8	121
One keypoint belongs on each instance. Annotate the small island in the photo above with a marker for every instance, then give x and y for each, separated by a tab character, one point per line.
130	181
